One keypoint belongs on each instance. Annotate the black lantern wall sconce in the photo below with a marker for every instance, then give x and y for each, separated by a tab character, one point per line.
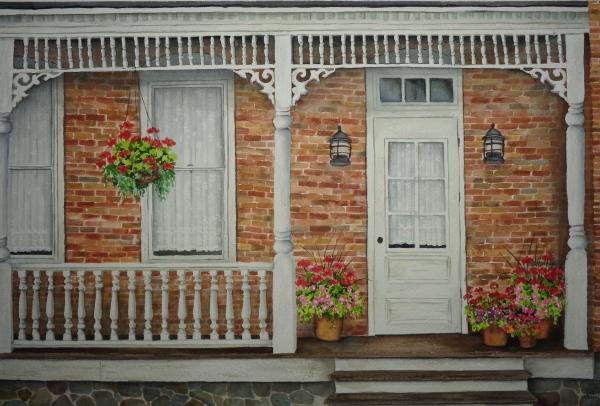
340	148
493	146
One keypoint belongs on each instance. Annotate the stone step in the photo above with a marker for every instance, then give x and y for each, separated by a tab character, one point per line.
429	364
484	375
503	398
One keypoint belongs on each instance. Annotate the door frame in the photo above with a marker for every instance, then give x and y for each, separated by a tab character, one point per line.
412	110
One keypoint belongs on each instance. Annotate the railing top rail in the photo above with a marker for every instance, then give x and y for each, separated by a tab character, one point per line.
129	266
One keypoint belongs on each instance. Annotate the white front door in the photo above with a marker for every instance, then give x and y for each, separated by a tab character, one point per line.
415	235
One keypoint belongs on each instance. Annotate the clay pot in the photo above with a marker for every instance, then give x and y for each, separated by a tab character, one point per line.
146	180
527	342
495	337
544	329
328	329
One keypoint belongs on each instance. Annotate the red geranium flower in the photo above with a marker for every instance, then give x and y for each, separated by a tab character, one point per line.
101	163
150	160
112	142
122	168
169	142
127	125
152	130
111	159
167	166
302	263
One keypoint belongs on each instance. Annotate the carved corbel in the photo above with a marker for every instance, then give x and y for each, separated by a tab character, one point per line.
301	78
264	78
23	82
556	78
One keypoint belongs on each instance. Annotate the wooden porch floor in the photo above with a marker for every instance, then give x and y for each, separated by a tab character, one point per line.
408	346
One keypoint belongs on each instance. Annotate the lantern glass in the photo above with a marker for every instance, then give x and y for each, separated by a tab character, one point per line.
340	148
493	146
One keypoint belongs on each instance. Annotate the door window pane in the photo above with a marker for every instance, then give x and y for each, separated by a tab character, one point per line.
431	160
390	90
432	196
401	231
401	159
415	90
441	91
432	231
401	196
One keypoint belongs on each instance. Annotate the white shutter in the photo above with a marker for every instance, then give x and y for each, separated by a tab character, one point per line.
191	220
32	174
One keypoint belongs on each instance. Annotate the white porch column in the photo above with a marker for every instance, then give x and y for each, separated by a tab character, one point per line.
6	59
576	270
284	284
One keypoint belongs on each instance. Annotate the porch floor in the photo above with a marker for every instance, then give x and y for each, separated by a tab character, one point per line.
405	346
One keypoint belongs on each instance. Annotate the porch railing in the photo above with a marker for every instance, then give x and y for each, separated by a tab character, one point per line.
140	305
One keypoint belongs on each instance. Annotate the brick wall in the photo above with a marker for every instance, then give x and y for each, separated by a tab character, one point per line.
506	206
97	227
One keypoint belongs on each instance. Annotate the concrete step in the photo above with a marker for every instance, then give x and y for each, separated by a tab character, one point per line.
429	364
503	398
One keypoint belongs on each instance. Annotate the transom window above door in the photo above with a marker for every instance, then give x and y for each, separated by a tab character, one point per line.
416	90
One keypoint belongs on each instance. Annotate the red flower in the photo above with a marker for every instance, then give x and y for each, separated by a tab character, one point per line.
122	168
152	130
148	139
494	285
156	143
548	257
101	163
125	134
105	154
328	259
137	138
112	142
127	125
125	153
169	142
339	265
302	263
527	260
111	159
300	281
167	166
150	160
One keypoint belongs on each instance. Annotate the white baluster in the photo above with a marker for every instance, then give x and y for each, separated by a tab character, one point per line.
462	50
419	50
68	311
229	304
528	49
504	50
22	304
179	50
50	307
70	52
168	50
223	49
214	310
310	49
376	48
156	51
407	49
148	313
536	44
103	51
212	51
430	58
99	284
197	311
321	50
35	307
548	50
114	306
386	50
131	308
332	50
473	56
136	51
36	52
495	42
146	52
244	51
46	52
560	48
164	325
364	49
113	55
232	49
80	52
81	305
483	50
181	308
262	308
352	49
517	50
266	44
343	49
58	53
300	49
254	51
440	42
190	51
396	48
245	306
90	55
452	50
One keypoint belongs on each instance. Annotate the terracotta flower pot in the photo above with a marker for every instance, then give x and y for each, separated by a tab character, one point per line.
328	329
544	329
495	337
527	342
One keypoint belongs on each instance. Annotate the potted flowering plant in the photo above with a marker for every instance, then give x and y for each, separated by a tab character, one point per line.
326	292
539	286
488	311
132	162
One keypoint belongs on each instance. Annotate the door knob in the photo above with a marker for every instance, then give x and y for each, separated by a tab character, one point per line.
379	240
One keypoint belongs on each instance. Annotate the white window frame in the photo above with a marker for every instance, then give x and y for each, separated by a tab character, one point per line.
58	185
223	79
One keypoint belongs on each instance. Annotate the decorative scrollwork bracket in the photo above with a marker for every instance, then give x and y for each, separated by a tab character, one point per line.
23	82
556	78
301	78
264	78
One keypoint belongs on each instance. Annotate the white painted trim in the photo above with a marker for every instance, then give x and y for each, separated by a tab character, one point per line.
170	370
375	109
125	343
216	77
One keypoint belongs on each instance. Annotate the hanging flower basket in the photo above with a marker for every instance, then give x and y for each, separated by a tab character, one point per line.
132	162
